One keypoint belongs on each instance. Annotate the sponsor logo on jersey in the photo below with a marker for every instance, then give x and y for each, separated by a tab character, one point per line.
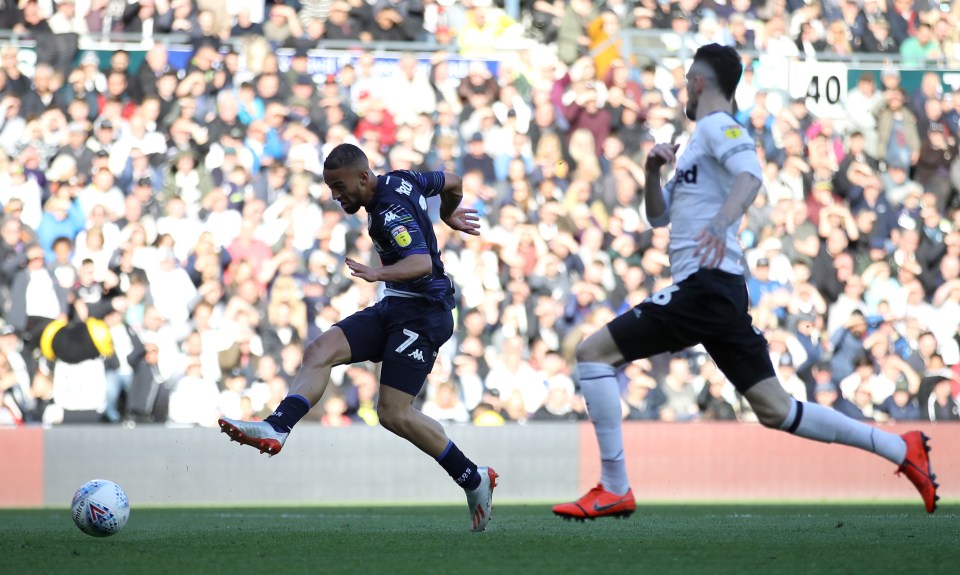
687	176
389	217
417	355
401	236
404	188
732	132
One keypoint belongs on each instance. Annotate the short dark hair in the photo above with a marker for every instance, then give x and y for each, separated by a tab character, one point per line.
726	66
346	156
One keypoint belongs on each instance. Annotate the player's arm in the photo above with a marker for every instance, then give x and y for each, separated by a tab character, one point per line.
737	153
408	243
451	194
659	156
712	240
409	268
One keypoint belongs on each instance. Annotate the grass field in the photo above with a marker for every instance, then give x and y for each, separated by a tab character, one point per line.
695	538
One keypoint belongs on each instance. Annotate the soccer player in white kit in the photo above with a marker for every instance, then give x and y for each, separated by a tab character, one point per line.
716	180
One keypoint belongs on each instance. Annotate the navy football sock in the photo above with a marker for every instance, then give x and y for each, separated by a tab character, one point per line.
288	413
461	469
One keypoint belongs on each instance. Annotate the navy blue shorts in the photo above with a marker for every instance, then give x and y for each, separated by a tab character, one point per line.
709	307
404	333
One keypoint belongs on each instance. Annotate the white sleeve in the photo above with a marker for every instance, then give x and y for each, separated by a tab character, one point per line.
732	146
664	219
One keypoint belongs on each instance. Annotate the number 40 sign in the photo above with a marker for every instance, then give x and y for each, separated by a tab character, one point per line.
822	84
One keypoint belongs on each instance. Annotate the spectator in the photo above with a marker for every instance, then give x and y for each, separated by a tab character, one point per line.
898	140
826	394
942	406
901	405
788	376
410	92
124	167
642	398
558	404
713	406
446	406
194	400
920	47
679	390
335	411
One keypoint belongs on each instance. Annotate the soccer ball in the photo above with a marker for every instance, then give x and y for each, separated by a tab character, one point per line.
100	508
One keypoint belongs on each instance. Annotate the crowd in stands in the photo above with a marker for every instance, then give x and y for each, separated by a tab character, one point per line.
185	206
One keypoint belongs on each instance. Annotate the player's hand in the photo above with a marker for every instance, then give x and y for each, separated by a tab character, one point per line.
464	220
711	245
363	272
661	155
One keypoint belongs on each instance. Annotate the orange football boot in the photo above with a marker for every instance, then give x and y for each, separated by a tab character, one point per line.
598	502
916	466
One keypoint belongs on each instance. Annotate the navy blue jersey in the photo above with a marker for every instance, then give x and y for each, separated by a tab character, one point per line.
399	226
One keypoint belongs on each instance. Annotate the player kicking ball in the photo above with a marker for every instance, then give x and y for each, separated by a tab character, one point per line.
716	180
404	330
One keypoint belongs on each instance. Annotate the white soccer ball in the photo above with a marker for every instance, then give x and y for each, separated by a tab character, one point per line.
100	508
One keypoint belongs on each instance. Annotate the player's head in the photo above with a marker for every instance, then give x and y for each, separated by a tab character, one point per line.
715	69
347	171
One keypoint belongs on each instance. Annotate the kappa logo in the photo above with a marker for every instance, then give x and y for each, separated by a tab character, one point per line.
417	355
404	188
688	176
389	217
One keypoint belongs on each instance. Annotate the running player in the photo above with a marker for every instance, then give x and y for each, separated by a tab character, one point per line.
404	330
716	180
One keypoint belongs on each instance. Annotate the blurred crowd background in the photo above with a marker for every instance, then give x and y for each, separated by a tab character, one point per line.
174	190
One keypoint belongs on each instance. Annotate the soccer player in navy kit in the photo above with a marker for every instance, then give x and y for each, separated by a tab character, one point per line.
716	180
404	330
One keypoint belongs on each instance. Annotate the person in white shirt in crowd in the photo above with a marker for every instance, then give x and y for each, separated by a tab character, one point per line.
195	400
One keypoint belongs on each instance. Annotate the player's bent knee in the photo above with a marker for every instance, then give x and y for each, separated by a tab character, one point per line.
770	419
599	348
326	350
770	402
393	420
314	355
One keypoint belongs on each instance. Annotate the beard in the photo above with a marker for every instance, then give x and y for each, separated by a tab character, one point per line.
351	208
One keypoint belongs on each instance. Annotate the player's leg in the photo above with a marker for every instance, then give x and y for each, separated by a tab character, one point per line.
743	358
640	332
327	350
596	357
777	409
357	338
408	358
398	416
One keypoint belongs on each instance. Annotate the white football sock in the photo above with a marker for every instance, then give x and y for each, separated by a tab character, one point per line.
814	421
598	383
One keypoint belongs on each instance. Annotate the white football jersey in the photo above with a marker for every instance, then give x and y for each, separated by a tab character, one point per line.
719	150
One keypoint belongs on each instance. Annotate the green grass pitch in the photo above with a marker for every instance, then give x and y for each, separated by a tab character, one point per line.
743	538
